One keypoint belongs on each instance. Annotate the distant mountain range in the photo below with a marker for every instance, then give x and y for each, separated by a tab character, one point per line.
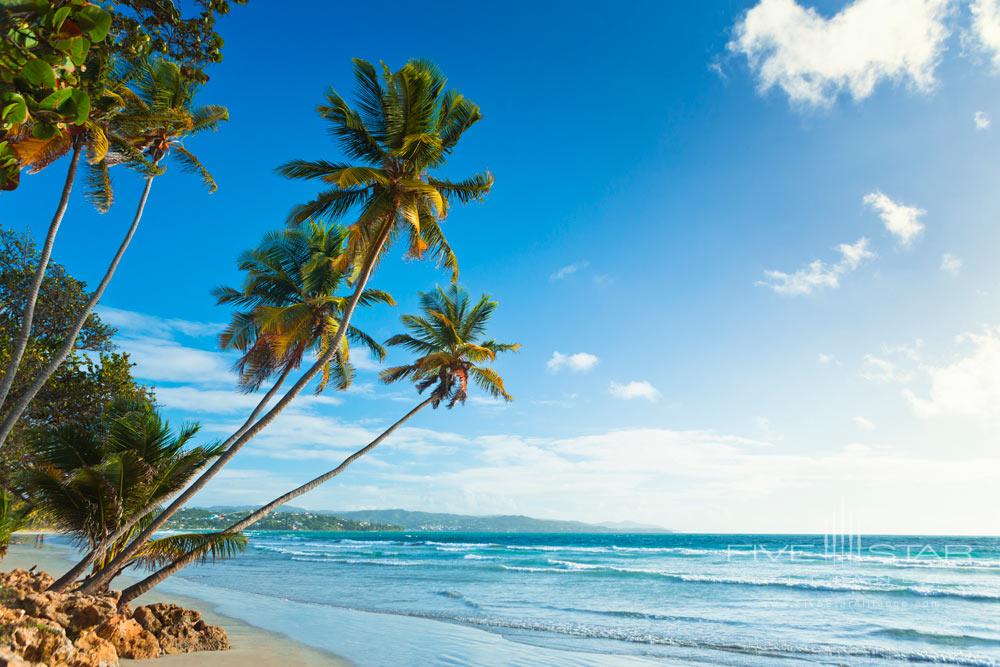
433	521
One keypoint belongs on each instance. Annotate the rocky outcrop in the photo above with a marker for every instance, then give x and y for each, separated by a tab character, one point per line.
180	630
129	638
74	630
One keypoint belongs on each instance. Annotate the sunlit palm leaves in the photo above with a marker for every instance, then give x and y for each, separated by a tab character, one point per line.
403	124
289	306
449	338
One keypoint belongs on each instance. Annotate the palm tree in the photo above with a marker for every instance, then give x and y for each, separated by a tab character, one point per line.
158	116
87	484
95	136
406	124
449	337
292	307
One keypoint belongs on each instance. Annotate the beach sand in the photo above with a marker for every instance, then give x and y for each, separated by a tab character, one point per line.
251	645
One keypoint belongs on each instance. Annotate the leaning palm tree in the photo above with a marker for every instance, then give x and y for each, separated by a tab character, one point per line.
88	484
158	116
290	306
450	338
101	139
406	125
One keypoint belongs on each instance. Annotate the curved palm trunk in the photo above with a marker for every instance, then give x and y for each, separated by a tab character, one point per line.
152	580
28	316
77	571
67	346
103	578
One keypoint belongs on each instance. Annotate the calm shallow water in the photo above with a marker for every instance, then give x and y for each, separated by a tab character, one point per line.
714	599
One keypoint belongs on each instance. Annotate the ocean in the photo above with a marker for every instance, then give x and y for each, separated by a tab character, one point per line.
410	598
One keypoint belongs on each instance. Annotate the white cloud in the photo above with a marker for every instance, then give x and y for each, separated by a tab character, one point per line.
818	274
900	220
982	120
969	386
162	360
130	322
662	476
362	359
951	264
864	424
580	362
635	389
568	270
814	59
824	359
221	401
881	370
985	30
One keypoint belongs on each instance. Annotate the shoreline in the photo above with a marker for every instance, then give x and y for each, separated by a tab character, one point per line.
251	645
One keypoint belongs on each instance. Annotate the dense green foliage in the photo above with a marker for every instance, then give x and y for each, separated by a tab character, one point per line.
64	68
196	518
87	485
88	383
53	65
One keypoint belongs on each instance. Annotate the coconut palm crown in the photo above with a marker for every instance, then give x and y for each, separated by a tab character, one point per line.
87	484
159	114
404	125
290	306
448	337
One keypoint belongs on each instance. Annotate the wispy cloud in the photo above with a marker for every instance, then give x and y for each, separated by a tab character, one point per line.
164	360
814	59
900	220
864	424
824	359
951	264
130	322
636	389
580	362
818	274
568	270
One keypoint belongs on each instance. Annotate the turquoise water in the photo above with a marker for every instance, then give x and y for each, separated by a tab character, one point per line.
603	599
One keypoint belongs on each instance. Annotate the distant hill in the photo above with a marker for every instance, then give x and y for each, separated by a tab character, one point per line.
490	524
397	519
196	518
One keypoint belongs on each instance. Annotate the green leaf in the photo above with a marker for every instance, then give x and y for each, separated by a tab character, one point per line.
57	99
59	17
75	47
81	101
44	131
39	73
95	21
15	111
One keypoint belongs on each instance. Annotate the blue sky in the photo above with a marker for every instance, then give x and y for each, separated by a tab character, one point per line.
668	175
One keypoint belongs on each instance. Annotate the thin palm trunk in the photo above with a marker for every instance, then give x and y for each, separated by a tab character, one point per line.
154	579
28	316
67	346
98	551
103	578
